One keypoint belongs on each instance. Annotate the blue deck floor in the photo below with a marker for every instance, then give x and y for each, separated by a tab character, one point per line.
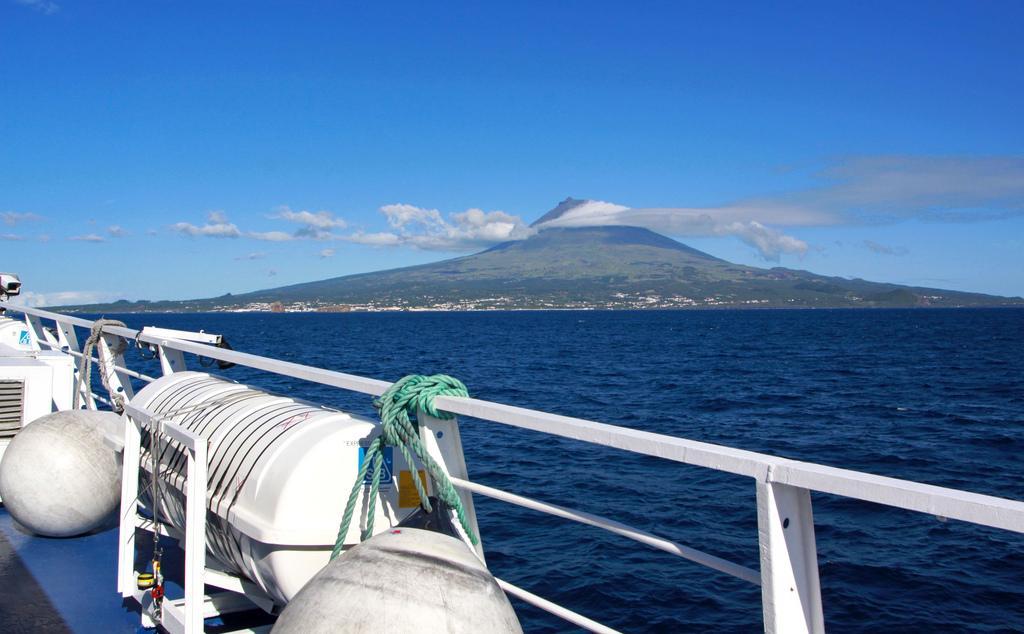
70	585
53	585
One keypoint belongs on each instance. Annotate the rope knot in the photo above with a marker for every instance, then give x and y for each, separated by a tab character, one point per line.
84	377
417	392
402	400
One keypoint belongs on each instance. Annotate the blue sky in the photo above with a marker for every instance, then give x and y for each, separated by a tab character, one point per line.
173	150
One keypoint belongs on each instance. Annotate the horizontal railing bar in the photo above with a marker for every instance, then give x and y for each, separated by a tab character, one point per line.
553	608
950	503
701	454
45	314
101	399
943	502
123	370
976	508
668	546
351	382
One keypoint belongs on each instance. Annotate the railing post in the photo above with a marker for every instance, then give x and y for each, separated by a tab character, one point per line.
171	360
790	590
443	442
195	535
38	331
129	507
64	388
67	339
118	382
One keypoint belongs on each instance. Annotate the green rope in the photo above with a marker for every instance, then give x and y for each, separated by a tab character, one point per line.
406	396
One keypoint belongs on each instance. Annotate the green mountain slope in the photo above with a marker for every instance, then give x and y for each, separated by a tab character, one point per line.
601	267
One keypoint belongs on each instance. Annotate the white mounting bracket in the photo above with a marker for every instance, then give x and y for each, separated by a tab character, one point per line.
184	615
172	360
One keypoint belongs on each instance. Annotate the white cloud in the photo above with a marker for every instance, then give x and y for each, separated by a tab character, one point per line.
217	226
10	236
857	191
769	242
683	221
853	191
326	253
883	249
319	219
879	189
11	218
428	229
117	231
491	226
402	215
379	239
64	298
89	237
46	7
592	210
259	255
315	225
931	187
270	236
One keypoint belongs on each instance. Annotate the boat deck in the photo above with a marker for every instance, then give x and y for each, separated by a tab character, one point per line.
70	585
60	585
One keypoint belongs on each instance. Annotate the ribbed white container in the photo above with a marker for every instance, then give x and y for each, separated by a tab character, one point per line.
280	471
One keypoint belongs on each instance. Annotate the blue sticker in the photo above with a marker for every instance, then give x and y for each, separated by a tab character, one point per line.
23	339
387	469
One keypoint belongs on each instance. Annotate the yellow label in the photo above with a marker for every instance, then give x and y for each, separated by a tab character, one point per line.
407	495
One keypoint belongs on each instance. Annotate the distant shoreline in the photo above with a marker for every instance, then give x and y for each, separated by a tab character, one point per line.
83	311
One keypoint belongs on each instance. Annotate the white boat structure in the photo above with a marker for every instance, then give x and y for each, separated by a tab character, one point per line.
238	465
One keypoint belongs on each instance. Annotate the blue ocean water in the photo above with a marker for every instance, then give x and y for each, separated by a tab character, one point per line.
929	395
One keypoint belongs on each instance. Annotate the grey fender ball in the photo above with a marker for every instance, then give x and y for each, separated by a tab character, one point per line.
58	478
402	581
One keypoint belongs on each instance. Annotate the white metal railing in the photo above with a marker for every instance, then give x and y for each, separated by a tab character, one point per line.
612	526
121	369
788	576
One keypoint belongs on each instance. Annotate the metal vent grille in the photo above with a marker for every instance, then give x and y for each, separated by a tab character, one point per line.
12	401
